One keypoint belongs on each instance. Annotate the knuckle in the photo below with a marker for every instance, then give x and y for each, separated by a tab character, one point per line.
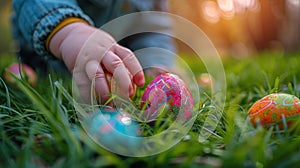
99	75
116	62
127	51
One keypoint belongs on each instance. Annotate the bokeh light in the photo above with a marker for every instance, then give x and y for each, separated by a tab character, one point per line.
210	11
295	3
252	5
241	28
227	7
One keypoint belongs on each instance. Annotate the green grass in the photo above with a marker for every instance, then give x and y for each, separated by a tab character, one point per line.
39	126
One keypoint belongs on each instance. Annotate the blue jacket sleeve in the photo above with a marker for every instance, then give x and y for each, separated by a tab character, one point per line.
153	49
161	47
33	20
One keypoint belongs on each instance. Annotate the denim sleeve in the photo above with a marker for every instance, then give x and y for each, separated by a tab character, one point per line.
33	20
161	47
152	49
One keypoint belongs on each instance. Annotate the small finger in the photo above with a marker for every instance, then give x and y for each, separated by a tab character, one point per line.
97	76
83	86
131	63
122	81
139	78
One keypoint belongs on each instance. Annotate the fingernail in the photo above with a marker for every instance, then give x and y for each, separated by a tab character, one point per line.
141	82
139	79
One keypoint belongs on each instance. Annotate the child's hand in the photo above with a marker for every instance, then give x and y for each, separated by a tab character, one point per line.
89	52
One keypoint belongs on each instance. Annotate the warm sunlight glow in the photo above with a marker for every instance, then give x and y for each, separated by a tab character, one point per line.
210	11
294	2
227	7
241	5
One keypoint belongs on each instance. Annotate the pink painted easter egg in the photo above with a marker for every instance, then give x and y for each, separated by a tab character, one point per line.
20	71
167	89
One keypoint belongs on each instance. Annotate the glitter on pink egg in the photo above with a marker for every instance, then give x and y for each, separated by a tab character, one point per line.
168	88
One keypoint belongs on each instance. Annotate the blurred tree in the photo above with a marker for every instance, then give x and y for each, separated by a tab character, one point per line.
254	25
290	33
6	37
266	25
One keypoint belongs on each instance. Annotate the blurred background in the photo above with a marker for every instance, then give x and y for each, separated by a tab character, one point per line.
238	28
6	43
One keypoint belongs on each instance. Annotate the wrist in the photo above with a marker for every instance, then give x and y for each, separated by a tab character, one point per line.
60	32
68	41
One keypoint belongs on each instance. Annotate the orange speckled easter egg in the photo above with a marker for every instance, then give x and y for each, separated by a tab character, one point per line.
270	109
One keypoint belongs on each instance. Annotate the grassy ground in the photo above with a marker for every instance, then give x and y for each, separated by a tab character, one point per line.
39	127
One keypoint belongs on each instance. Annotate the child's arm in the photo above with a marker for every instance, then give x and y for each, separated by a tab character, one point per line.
89	52
36	20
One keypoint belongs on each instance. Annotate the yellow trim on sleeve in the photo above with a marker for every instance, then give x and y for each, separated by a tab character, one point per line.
60	26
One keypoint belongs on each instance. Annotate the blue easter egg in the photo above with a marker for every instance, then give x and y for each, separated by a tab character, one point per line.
113	130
